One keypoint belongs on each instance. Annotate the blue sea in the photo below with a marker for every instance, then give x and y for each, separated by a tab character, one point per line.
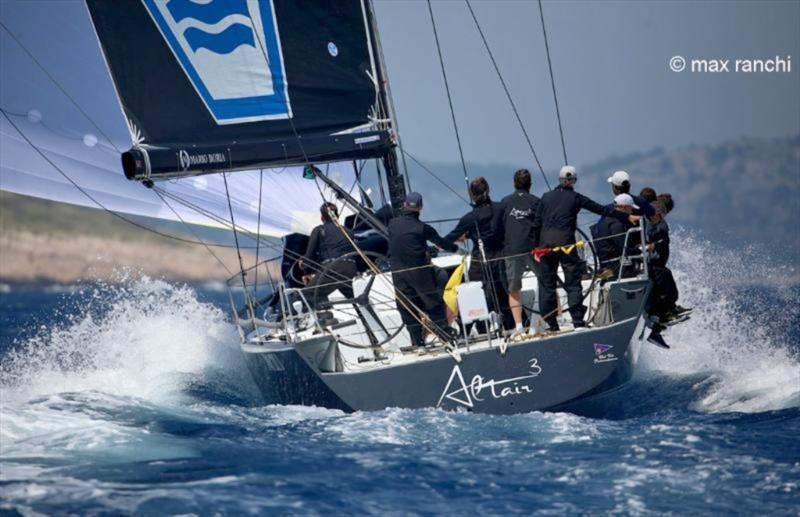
132	397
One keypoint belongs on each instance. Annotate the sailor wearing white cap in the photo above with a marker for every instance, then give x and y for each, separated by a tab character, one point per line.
556	222
609	235
621	184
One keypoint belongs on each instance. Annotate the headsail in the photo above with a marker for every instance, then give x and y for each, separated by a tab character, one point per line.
289	203
217	85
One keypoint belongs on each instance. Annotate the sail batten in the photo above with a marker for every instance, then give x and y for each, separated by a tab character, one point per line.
236	84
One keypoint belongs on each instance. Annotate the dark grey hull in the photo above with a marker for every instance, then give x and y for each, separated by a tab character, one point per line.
284	378
542	374
536	375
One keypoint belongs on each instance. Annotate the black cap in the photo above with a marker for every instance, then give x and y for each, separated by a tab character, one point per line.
414	200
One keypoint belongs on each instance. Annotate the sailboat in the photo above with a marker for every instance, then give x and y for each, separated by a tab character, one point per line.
297	92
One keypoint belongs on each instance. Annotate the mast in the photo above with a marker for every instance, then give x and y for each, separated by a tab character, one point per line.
394	177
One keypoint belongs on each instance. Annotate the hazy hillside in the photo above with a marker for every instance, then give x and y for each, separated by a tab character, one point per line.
741	192
43	241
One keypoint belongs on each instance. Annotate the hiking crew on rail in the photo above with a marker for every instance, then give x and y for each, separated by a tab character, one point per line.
520	233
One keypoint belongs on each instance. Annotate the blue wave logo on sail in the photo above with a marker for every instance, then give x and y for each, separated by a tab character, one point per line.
230	51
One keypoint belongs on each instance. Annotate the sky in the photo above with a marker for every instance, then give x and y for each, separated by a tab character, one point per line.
611	65
610	59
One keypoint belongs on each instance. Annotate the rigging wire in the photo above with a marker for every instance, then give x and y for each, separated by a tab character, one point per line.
435	176
59	86
93	199
258	227
233	222
449	97
188	226
507	92
553	83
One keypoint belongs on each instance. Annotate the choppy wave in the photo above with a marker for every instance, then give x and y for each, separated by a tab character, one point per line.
138	401
740	348
145	338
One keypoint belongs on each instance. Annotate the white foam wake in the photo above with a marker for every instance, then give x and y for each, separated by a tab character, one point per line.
741	348
145	339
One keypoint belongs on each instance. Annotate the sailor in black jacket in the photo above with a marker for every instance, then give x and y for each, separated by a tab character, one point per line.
413	281
481	224
557	221
519	237
610	237
326	246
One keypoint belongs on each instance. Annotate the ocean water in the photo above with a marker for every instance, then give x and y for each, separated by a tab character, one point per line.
133	398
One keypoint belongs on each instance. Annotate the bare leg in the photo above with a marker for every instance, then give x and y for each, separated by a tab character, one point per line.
516	306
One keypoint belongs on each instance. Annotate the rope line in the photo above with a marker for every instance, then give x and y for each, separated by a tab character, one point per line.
58	85
233	223
258	227
435	176
163	200
553	83
94	200
449	97
507	92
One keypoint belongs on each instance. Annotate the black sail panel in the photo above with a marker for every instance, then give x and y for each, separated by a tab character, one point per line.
224	84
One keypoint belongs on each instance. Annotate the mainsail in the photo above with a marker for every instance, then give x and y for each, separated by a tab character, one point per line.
208	86
303	85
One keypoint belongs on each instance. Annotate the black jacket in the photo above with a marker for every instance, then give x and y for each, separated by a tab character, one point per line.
408	238
557	217
327	242
516	222
659	235
480	222
609	233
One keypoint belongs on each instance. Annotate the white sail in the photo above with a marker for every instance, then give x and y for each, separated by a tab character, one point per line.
289	203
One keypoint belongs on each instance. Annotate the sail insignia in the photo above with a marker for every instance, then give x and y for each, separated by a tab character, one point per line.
231	53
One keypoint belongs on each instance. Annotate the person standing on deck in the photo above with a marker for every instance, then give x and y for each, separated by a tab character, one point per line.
412	273
480	225
518	211
556	222
327	245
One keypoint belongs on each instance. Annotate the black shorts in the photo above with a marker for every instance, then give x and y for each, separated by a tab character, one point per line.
516	267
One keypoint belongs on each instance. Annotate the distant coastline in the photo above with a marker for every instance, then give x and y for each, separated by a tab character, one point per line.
47	243
27	257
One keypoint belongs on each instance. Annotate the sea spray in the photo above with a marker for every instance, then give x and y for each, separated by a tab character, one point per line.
737	343
143	338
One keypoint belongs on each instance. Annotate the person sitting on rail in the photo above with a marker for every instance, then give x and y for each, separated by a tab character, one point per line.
612	240
516	226
480	225
326	247
664	298
414	279
648	194
621	184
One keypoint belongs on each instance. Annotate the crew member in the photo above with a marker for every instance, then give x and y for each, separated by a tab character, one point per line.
326	246
648	194
519	237
480	225
610	234
557	221
413	276
664	298
621	184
